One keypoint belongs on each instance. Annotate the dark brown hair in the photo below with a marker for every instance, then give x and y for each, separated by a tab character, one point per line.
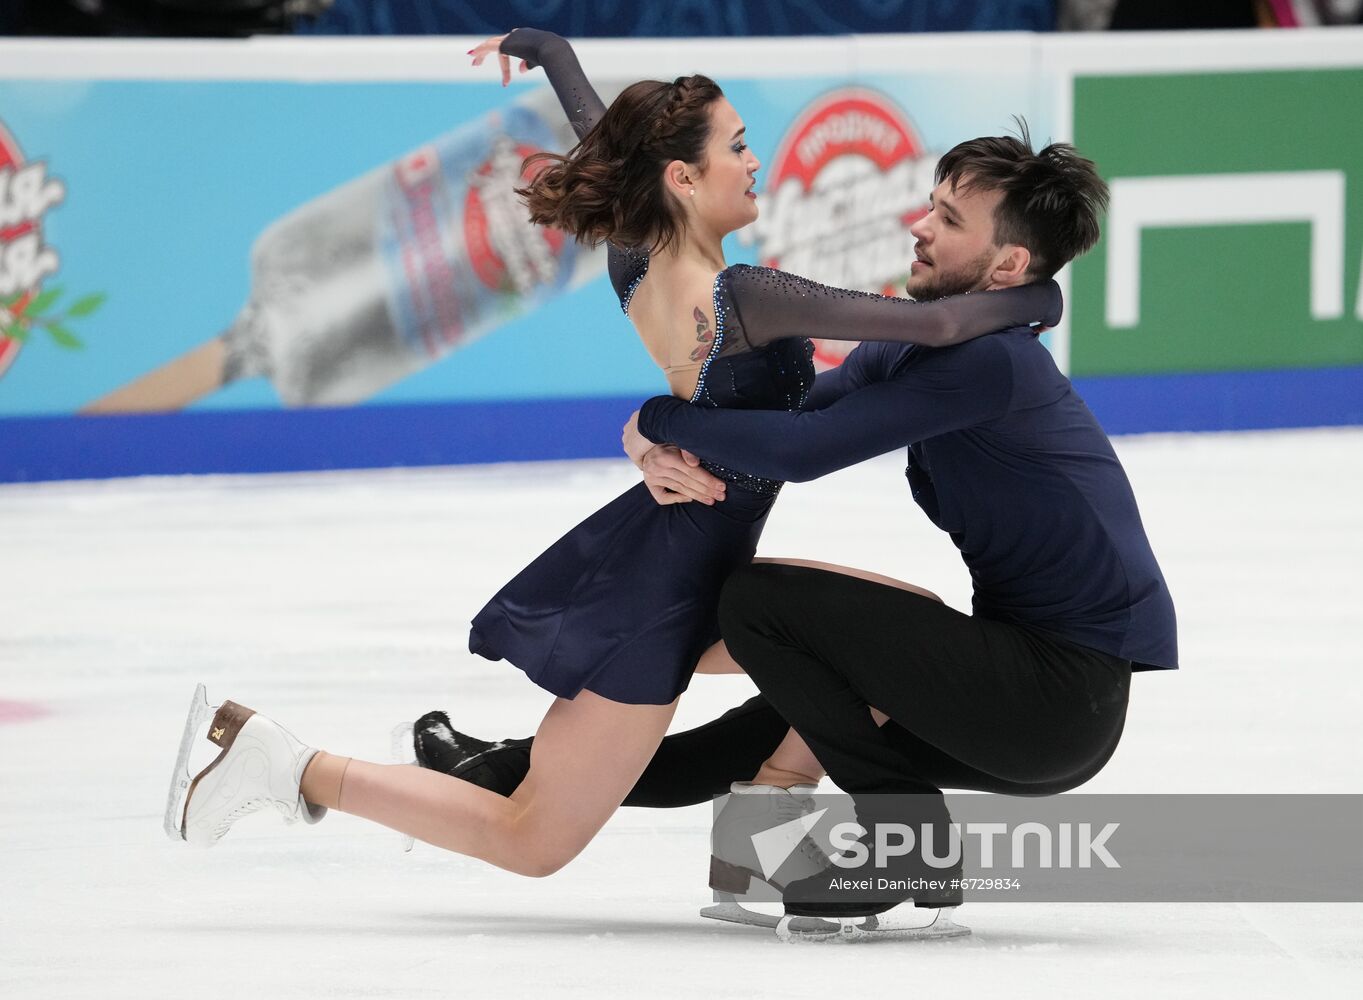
1052	200
609	186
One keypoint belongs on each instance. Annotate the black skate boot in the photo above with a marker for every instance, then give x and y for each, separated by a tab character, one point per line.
855	902
813	914
836	892
499	767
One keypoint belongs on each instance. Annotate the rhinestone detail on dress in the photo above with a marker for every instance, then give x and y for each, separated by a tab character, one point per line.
719	336
634	286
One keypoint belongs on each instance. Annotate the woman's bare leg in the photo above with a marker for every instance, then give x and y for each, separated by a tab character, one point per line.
587	755
716	660
860	574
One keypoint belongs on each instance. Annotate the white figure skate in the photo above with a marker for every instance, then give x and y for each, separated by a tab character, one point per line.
761	834
401	749
782	852
260	765
897	923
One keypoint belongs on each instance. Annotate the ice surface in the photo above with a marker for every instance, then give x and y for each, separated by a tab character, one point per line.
338	604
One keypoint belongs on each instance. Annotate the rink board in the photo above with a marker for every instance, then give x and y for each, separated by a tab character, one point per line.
48	448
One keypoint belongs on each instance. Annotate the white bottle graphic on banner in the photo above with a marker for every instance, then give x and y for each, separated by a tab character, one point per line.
386	274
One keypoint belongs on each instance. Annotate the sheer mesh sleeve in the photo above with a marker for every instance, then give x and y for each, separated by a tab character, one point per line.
544	48
772	305
584	108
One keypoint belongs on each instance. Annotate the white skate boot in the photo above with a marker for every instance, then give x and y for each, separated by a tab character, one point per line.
761	833
260	765
401	747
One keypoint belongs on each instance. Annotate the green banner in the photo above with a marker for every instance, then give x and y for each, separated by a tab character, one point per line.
1235	237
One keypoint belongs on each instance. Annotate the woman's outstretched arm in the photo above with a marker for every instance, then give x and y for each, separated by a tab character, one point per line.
774	305
580	103
544	48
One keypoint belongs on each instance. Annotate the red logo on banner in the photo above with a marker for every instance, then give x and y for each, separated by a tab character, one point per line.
848	179
506	252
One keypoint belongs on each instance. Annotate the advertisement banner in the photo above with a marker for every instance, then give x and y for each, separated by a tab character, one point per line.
305	255
1235	235
285	245
268	250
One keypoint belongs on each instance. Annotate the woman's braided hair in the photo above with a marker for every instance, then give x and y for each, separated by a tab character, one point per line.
609	186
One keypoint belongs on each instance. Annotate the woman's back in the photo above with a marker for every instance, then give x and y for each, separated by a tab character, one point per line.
673	313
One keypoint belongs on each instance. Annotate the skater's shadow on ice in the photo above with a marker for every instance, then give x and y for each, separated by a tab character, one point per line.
482	925
521	925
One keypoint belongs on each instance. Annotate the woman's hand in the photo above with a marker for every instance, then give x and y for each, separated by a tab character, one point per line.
636	446
485	49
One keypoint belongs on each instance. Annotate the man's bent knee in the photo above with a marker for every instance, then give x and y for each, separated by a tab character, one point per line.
758	616
758	587
743	585
744	595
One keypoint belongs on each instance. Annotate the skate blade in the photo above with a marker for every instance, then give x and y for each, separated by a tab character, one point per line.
180	780
851	930
730	911
402	752
733	913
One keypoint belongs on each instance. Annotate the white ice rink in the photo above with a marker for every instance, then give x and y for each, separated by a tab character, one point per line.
338	605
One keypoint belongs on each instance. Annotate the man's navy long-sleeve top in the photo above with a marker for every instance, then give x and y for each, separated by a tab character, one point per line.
1002	454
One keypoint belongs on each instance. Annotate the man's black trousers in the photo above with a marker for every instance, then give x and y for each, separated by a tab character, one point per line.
975	703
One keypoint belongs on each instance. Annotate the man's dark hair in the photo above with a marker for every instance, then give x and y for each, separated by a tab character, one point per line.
1052	199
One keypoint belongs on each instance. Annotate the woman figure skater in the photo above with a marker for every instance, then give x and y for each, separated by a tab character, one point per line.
615	617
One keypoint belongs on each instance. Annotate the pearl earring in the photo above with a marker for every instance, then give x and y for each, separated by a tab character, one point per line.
692	192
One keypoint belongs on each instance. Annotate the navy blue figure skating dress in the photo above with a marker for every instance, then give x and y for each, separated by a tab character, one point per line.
625	603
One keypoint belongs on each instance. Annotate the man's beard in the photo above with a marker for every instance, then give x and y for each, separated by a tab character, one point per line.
968	278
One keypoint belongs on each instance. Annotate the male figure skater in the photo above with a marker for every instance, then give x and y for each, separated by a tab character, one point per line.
1027	695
